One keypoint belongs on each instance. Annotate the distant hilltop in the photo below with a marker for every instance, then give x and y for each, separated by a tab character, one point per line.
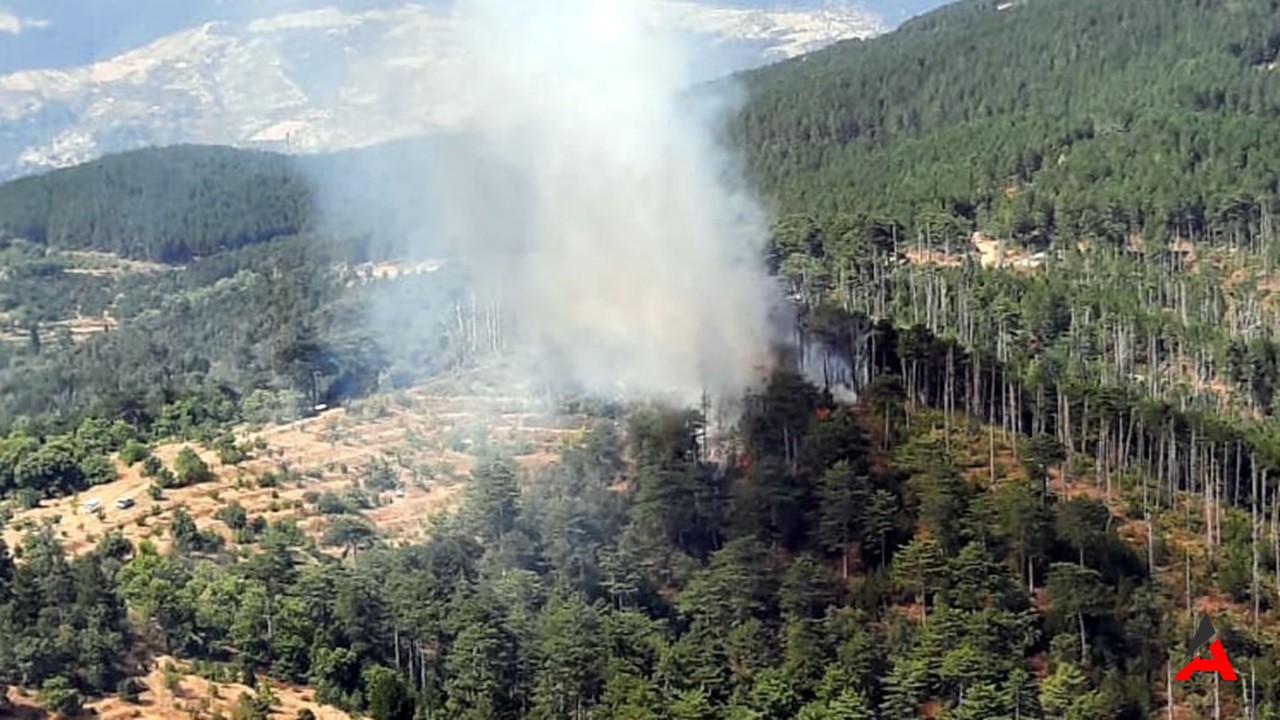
322	80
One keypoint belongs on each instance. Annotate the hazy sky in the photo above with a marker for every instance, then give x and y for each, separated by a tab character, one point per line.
57	33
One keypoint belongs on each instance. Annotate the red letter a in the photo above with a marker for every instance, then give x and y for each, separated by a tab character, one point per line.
1216	662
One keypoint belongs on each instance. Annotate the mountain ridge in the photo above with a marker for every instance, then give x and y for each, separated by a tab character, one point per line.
319	80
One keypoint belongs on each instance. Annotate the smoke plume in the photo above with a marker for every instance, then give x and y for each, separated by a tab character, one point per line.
591	193
635	258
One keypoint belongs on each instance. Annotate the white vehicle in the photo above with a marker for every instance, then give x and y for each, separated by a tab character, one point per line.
91	505
124	503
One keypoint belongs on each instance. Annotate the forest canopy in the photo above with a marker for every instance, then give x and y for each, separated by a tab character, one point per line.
1035	120
163	204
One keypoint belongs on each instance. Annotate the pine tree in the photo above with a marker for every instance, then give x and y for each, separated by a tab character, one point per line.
1066	694
842	497
919	569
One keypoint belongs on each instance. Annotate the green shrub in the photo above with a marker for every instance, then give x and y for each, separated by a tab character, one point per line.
234	516
134	452
230	453
151	466
190	469
248	708
28	498
57	695
330	504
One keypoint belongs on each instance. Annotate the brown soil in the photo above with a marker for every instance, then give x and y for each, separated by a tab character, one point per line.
88	262
985	249
419	434
933	257
80	329
193	698
324	453
1014	258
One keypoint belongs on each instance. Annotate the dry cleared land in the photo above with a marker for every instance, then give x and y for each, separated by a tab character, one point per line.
180	695
428	442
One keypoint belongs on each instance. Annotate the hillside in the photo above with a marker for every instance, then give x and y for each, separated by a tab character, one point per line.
223	324
1032	120
145	278
1063	446
389	463
1060	218
175	204
171	691
1121	156
904	562
169	205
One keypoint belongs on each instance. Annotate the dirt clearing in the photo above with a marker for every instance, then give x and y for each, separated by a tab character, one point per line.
180	695
422	448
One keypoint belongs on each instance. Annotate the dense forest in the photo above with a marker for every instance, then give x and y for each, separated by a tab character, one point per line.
181	203
1048	470
168	204
809	574
1041	120
290	319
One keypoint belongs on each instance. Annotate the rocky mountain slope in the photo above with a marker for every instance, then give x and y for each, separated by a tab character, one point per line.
320	80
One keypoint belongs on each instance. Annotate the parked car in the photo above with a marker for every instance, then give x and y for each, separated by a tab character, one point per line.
124	503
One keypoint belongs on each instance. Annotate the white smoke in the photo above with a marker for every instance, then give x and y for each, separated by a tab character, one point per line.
625	243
